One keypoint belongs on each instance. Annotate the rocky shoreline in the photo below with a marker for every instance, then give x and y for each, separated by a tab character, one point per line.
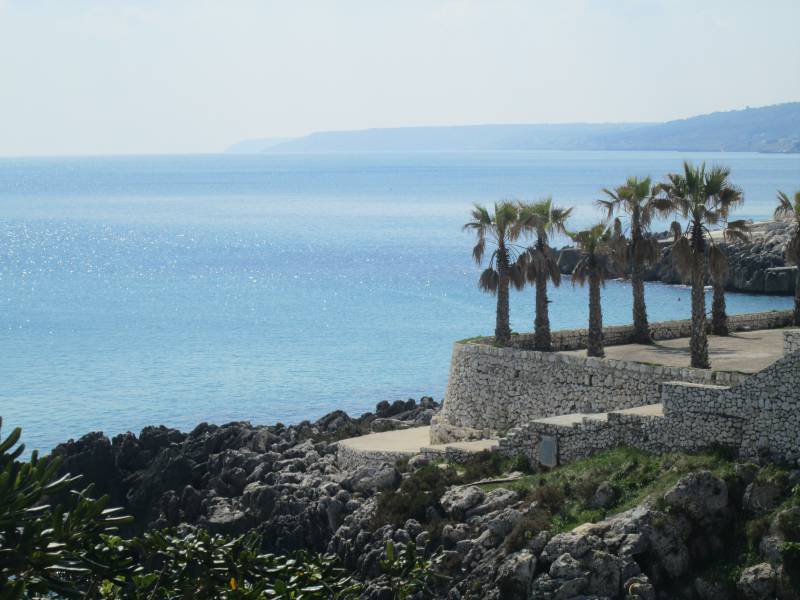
756	267
488	540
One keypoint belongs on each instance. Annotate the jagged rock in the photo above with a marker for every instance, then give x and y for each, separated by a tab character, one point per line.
385	424
757	582
275	477
496	499
418	461
605	573
225	517
515	574
502	524
567	567
457	501
574	543
701	495
710	590
760	497
746	472
372	479
639	588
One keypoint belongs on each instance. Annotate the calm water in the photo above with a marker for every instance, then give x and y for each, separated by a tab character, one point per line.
145	290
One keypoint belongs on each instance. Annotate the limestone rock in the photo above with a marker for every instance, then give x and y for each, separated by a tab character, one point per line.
515	574
701	495
457	501
757	582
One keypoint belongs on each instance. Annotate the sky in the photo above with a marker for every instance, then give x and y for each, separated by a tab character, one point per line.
89	77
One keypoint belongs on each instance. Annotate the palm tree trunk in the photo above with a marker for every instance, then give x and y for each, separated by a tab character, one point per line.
502	329
541	336
797	296
641	328
699	341
719	318
594	346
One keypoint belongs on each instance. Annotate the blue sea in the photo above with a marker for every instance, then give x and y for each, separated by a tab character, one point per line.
179	289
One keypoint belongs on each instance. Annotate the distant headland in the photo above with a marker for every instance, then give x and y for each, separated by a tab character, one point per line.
774	128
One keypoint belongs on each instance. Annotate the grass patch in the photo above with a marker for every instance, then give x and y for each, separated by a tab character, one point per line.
566	492
473	339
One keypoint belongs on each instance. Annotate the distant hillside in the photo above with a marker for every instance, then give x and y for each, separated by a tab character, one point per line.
255	146
767	129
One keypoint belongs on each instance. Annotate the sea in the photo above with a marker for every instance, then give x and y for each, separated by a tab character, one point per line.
141	290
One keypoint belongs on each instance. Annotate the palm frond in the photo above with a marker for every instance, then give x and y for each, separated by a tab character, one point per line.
675	230
683	256
478	250
787	208
489	280
608	206
516	276
737	231
580	273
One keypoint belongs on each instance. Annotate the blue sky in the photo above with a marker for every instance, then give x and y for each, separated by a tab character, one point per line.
109	77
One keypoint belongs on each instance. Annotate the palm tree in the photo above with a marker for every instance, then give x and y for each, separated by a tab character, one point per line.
704	198
635	200
539	263
501	230
598	244
790	209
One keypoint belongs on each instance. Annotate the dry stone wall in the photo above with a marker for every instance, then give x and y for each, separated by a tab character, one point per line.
575	339
758	418
791	341
490	390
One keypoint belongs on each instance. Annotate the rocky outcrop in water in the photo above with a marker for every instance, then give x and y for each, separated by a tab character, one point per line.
281	480
757	266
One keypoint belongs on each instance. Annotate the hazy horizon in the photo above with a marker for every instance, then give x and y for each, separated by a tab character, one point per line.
97	78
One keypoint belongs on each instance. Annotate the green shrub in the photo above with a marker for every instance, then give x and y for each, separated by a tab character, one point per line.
411	574
755	529
789	523
416	494
549	496
790	553
47	549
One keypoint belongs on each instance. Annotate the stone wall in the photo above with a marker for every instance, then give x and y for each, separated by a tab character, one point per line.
351	458
575	339
490	389
791	341
758	418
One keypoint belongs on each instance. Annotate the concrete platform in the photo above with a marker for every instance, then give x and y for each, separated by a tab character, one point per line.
743	351
650	410
410	441
572	419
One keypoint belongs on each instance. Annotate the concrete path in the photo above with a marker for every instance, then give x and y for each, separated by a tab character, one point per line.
649	410
743	351
572	418
409	441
